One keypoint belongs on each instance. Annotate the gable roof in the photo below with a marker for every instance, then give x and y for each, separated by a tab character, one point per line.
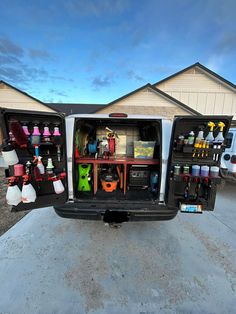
24	93
71	108
158	91
202	67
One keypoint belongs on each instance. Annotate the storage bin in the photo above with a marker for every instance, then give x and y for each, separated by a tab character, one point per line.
143	149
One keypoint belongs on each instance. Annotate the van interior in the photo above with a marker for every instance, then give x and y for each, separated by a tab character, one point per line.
117	159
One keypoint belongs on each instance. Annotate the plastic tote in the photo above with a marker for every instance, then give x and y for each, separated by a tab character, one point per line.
144	150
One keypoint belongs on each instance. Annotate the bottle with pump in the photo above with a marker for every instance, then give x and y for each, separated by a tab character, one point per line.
210	136
28	192
13	196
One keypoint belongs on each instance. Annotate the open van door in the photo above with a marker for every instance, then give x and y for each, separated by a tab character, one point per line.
196	145
45	135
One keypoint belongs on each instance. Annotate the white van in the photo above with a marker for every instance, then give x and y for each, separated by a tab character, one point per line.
113	167
228	160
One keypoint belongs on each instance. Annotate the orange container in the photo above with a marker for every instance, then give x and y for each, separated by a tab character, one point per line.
109	186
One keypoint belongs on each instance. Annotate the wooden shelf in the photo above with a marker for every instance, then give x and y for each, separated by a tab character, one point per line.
114	161
117	160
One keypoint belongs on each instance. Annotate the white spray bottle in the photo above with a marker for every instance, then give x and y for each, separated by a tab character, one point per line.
210	136
40	165
220	138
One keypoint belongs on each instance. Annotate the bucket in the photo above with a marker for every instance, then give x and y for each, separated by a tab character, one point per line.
214	171
204	171
195	170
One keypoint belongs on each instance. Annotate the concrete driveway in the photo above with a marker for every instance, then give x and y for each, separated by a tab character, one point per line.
54	265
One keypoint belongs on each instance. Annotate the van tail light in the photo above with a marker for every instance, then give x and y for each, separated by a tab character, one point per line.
118	115
233	159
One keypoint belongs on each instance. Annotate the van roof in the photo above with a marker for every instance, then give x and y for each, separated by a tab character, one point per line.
138	117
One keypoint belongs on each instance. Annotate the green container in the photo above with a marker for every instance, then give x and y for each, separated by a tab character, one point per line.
84	177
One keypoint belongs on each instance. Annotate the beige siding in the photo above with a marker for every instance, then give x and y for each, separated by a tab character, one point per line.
11	98
146	102
201	92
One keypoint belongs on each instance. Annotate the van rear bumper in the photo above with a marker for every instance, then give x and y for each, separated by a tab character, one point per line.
71	210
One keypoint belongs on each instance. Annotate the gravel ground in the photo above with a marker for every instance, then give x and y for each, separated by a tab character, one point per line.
7	218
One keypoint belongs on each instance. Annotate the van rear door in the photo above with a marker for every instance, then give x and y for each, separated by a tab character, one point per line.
50	185
192	174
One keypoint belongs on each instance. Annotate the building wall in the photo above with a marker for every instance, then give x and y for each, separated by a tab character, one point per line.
11	98
201	92
146	102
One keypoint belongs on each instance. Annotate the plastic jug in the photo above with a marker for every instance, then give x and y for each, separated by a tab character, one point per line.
9	155
28	193
13	196
58	186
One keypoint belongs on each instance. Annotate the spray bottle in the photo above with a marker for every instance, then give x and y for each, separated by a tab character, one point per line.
28	192
210	136
200	132
220	137
13	196
40	165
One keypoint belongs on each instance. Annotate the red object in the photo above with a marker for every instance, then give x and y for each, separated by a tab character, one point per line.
19	134
111	144
37	174
118	115
76	152
19	170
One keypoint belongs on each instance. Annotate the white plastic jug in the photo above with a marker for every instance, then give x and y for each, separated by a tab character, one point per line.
13	196
10	157
28	193
58	187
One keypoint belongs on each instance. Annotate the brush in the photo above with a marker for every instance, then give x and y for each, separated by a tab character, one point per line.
19	134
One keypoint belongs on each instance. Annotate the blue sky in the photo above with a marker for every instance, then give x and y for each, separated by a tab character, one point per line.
96	51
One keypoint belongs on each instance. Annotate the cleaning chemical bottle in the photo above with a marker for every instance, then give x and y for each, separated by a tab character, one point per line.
9	154
201	132
210	136
13	196
40	165
57	141
220	138
28	192
191	138
46	134
49	168
58	186
26	130
35	139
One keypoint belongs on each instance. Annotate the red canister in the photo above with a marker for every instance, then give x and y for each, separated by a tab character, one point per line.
18	170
